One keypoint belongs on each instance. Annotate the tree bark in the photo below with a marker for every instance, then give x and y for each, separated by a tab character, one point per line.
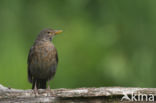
80	95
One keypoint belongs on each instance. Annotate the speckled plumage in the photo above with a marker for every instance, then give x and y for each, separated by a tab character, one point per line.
42	59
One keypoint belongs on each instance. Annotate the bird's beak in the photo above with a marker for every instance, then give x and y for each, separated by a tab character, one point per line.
58	31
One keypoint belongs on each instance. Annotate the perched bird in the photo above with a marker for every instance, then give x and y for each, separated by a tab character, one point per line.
42	59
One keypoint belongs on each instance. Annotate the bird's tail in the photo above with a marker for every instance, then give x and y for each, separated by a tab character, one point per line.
40	83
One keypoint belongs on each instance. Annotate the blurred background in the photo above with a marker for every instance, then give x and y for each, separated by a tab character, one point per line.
104	43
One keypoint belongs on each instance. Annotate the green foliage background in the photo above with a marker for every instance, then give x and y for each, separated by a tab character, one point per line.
104	43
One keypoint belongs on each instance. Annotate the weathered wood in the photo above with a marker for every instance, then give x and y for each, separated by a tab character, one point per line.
80	95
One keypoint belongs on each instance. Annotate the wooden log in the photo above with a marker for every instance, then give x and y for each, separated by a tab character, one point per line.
79	95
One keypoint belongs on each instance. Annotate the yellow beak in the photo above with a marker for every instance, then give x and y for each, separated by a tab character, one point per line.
58	31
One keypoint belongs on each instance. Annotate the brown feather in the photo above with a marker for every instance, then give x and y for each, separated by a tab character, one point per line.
42	60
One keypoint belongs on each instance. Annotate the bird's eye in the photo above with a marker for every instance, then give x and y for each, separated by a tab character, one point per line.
48	32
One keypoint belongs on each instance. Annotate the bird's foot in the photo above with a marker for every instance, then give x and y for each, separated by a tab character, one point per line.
48	91
35	92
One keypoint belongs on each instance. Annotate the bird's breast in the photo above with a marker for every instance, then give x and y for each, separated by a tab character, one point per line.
44	60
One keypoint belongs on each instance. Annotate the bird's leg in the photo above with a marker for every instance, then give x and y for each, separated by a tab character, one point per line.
48	89
35	90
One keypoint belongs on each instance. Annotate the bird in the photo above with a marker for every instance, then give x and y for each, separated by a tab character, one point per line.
42	59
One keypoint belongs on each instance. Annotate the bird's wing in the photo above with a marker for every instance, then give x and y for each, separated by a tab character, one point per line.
30	56
56	57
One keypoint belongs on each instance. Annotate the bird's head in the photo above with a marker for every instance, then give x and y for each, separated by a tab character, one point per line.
48	34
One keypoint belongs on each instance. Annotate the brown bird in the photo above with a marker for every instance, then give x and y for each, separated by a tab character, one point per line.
42	59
